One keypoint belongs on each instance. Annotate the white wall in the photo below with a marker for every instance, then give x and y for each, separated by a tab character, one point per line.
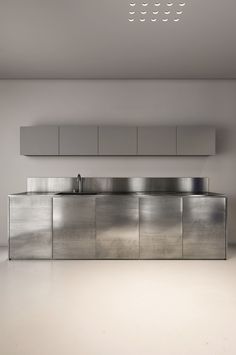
117	102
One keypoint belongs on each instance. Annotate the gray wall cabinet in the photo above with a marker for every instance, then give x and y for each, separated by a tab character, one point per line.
117	224
117	140
161	227
74	227
195	140
204	227
39	140
78	140
156	140
30	228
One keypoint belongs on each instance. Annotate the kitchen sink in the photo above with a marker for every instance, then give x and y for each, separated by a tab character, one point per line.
77	193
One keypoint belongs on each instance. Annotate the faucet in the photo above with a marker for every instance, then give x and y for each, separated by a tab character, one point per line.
79	184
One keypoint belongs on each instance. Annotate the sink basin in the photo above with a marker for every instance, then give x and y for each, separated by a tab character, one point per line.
77	193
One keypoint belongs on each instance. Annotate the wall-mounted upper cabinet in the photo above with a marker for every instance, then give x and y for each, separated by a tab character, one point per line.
196	140
39	140
78	140
156	140
117	140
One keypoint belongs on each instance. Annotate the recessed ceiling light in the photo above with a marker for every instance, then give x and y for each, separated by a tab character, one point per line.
144	10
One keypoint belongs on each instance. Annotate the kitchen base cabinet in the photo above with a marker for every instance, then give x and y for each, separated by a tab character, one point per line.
30	227
74	227
160	227
117	226
204	228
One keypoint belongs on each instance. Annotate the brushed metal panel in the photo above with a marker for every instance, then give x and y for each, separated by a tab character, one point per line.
145	184
74	227
30	227
197	140
117	226
117	140
51	184
161	227
114	184
78	140
39	140
204	227
157	140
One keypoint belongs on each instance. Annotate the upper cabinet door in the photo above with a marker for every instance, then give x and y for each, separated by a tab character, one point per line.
156	140
39	140
79	140
196	140
117	140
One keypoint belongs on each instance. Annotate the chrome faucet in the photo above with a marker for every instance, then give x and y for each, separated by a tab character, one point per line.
79	184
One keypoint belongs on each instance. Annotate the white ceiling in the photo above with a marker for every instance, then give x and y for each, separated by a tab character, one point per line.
91	39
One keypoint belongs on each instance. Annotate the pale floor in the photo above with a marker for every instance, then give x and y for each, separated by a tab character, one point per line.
117	307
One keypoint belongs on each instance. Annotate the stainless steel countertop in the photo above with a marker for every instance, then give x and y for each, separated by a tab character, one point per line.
138	194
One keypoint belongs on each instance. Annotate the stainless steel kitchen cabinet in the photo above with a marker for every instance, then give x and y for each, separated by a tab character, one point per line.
78	140
74	227
156	140
39	140
204	228
117	226
30	227
160	227
117	140
196	140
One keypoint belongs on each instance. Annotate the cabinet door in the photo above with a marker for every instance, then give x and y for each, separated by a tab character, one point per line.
157	140
79	140
30	227
117	227
195	140
74	227
117	140
161	227
39	140
204	235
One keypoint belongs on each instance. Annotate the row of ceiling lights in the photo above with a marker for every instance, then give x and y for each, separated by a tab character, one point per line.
165	19
169	4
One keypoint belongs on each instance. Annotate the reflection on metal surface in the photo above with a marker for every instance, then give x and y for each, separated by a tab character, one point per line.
52	184
204	223
30	229
74	227
161	227
134	184
117	227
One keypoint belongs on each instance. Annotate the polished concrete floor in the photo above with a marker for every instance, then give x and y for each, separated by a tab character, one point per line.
118	307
